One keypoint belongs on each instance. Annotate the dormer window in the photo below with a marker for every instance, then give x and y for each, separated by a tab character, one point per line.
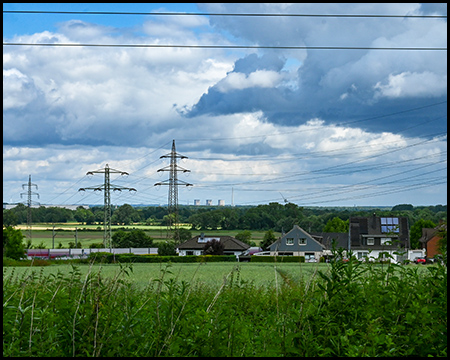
289	241
302	241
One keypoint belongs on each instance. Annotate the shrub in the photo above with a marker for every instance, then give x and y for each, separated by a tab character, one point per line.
277	259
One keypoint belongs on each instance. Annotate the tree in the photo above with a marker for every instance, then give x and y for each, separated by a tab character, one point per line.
125	214
167	248
10	218
182	234
415	233
336	225
13	246
136	238
244	236
402	207
269	239
443	241
213	247
83	215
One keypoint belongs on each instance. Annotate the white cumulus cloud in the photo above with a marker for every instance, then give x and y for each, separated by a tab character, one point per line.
408	84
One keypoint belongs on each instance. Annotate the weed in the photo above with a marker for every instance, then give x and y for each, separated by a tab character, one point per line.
352	309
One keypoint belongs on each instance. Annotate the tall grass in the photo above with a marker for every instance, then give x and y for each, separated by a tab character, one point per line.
352	309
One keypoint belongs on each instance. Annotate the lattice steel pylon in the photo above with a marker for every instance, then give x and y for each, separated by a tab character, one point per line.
29	193
173	182
107	187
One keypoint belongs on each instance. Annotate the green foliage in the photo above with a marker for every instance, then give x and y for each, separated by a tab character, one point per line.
167	248
336	225
104	257
274	216
269	239
135	238
181	235
84	215
125	215
72	245
13	246
213	247
415	232
96	246
244	236
271	259
350	310
9	218
402	207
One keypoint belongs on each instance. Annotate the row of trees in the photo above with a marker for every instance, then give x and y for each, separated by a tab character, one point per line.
273	216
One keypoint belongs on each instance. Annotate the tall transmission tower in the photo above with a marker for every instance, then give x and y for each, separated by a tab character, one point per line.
29	193
173	182
107	187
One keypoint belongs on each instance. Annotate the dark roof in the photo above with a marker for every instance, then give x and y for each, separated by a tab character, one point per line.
296	232
429	233
229	242
327	238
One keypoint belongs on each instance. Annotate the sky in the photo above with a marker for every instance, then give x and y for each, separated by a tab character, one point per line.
260	111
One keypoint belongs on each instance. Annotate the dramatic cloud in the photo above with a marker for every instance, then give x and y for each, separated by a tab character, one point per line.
253	122
360	78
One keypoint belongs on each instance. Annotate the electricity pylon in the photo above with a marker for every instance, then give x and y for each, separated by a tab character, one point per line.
107	187
29	203
173	182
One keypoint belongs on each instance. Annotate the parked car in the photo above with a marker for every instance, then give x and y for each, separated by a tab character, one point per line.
420	260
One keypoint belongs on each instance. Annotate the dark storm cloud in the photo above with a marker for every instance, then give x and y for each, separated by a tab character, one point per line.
284	106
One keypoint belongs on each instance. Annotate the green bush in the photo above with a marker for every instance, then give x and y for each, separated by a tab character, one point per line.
131	258
270	259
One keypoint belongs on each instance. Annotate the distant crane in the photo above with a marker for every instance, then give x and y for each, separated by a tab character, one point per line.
285	200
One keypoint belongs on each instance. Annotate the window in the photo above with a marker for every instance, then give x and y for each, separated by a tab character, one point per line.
289	241
389	224
302	241
361	254
370	241
385	241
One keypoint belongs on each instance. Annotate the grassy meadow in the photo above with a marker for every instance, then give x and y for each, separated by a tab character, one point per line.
208	274
225	309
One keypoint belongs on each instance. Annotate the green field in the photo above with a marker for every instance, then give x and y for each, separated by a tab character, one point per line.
209	274
90	234
225	309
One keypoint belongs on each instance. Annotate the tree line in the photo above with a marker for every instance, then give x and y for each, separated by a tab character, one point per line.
273	216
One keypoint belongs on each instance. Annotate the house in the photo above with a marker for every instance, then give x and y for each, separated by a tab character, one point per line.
195	245
327	238
430	240
297	242
375	236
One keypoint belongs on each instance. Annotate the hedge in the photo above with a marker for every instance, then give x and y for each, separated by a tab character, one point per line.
131	258
277	259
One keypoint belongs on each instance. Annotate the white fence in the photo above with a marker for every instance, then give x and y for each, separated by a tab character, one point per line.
82	253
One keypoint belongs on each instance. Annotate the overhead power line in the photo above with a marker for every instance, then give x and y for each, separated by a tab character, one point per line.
222	14
305	47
